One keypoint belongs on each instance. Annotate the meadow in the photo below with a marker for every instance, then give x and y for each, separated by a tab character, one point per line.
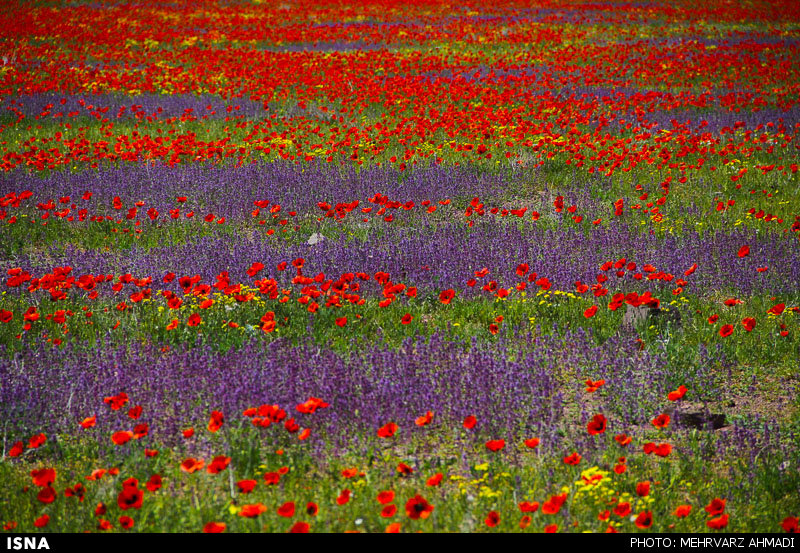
395	267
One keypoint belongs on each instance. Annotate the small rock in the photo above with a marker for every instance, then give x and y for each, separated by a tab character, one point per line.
315	238
646	316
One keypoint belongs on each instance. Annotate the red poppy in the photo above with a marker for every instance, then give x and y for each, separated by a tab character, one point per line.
122	437
154	484
344	497
341	321
218	464
597	425
407	318
726	331
43	477
188	433
553	505
16	449
246	486
492	519
644	520
589	313
791	525
286	510
271	478
677	394
312	509
525	521
661	421
404	469
573	459
417	507
393	528
529	506
135	412
126	522
749	323
470	422
216	421
424	420
300	528
643	489
252	511
716	507
744	251
389	511
495	445
42	521
214	528
388	430
622	509
130	498
551	529
532	443
446	296
385	497
663	450
682	511
435	480
191	465
718	523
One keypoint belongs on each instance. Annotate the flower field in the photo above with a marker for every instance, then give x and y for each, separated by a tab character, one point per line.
400	266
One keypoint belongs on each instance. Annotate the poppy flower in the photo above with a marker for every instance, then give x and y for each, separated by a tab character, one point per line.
470	422
573	459
218	464
525	521
716	507
589	313
553	505
425	419
417	507
271	478
300	528
404	469
435	480
126	522
663	450
188	433
492	519
446	296
529	506
43	477
130	498
214	528
312	509
344	497
393	528
551	529
643	489
791	525
744	251
135	412
341	321
246	486
154	484
89	422
749	323
718	523
677	394
286	510
103	524
532	443
253	510
622	509
682	511
644	520
216	421
389	511
597	425
42	521
16	449
407	318
726	330
388	430
495	445
191	465
122	437
385	497
661	421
